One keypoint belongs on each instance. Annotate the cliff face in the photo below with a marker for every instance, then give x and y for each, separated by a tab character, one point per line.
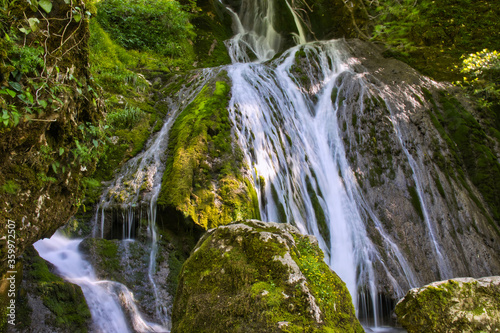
417	154
52	137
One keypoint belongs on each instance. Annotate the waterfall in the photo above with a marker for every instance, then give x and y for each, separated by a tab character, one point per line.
104	298
135	190
286	119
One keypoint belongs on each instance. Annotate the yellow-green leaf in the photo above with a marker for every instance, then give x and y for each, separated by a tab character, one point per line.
46	5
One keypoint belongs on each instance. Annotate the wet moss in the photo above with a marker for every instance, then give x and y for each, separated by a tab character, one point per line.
279	205
234	282
324	230
203	178
415	201
65	300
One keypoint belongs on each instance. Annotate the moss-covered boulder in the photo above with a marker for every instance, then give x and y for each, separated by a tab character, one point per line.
205	179
457	305
253	276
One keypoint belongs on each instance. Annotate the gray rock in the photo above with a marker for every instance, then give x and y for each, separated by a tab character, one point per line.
456	305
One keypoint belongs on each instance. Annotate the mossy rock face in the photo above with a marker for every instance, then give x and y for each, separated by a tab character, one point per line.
253	276
44	157
457	305
204	176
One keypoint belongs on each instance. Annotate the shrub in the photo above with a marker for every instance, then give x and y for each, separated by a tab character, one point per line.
160	26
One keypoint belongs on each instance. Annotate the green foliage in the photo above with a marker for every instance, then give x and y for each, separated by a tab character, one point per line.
26	59
125	118
482	80
433	35
160	26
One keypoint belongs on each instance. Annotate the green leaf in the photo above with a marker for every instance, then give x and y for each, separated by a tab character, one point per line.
16	86
6	122
46	5
96	143
15	116
23	98
33	22
77	17
61	151
11	93
42	103
30	97
24	30
54	167
79	90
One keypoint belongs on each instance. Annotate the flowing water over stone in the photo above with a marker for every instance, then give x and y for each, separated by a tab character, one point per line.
105	298
289	131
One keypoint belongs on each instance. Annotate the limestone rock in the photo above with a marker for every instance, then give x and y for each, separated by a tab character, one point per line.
456	305
253	276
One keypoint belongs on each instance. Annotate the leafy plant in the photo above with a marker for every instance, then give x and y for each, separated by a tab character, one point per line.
482	70
160	26
125	118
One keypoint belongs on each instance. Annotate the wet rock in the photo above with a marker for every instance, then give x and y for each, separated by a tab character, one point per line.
253	276
456	305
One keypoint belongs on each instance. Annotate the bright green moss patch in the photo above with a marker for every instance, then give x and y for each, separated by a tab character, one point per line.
203	177
329	290
238	279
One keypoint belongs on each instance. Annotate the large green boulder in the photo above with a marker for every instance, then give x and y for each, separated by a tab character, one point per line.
253	276
457	305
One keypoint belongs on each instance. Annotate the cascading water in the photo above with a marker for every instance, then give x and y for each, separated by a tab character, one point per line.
104	298
130	198
290	135
286	117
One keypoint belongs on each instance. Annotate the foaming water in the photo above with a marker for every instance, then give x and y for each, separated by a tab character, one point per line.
287	125
104	298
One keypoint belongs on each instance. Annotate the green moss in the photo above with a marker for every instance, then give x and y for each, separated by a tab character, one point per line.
435	308
329	290
201	155
439	187
106	258
233	282
470	148
415	201
65	300
318	212
211	29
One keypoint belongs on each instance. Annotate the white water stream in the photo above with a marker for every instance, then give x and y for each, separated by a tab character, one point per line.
291	138
104	298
